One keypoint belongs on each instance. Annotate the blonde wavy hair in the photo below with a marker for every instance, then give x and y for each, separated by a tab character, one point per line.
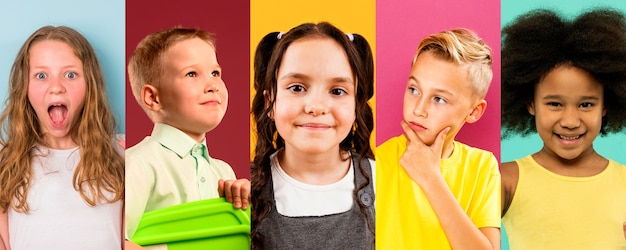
462	46
101	167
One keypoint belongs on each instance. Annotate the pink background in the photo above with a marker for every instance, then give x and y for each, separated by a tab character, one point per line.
400	27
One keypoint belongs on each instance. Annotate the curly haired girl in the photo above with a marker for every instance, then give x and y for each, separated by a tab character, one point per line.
565	80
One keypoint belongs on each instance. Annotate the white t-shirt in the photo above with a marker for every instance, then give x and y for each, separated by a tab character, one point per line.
295	198
59	218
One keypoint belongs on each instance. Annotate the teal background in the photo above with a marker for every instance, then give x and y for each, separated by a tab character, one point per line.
610	146
102	22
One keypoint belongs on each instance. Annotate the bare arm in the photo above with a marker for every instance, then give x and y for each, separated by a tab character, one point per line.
129	245
4	231
510	176
460	230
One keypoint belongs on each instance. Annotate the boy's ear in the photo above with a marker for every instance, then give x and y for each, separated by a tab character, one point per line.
477	111
150	97
531	109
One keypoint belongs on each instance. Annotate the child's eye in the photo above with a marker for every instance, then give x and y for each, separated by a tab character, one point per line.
71	75
338	92
414	91
553	104
216	73
586	105
439	100
296	88
191	74
40	76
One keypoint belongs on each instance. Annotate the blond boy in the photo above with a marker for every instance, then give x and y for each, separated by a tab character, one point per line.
176	79
432	191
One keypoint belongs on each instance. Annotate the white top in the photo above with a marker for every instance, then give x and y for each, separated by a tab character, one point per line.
294	198
59	218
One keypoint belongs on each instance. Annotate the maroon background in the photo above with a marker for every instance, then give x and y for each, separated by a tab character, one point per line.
229	21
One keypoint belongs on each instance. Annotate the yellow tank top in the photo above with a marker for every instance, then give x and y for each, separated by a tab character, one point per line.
551	211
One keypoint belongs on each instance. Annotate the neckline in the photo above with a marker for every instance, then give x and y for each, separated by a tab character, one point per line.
571	178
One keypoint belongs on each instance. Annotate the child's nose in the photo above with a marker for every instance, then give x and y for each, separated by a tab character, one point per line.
570	118
213	85
420	108
316	104
56	85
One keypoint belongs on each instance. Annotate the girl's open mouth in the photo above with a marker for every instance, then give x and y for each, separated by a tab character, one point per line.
57	114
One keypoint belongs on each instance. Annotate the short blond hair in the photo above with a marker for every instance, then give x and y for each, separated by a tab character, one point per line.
144	65
462	46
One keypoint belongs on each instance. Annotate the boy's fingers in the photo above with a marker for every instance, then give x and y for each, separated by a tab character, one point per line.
236	194
228	190
438	144
245	194
411	136
220	187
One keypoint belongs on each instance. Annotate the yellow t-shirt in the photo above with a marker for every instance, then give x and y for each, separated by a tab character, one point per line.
404	217
551	211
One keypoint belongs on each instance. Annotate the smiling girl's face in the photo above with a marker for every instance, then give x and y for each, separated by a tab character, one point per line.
315	98
568	107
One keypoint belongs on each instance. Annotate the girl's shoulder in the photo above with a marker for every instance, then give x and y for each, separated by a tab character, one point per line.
509	173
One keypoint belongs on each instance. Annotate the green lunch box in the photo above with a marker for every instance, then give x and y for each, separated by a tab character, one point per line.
205	224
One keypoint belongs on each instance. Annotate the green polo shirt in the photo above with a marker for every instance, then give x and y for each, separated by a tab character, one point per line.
169	168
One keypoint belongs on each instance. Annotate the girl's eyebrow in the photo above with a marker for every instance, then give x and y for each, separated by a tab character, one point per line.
593	98
584	98
295	76
69	66
301	76
342	80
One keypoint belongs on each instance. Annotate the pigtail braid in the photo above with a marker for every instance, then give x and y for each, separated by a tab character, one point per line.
365	120
261	168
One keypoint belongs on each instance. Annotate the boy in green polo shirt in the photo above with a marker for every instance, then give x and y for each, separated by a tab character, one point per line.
176	79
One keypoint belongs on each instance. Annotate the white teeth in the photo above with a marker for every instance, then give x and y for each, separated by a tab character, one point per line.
569	137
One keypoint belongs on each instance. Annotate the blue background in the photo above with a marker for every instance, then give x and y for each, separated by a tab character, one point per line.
102	22
610	146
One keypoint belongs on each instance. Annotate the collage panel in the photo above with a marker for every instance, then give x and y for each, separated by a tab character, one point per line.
371	124
563	119
311	139
188	67
456	203
63	82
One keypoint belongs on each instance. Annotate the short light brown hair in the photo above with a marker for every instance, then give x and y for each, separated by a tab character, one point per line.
462	46
145	66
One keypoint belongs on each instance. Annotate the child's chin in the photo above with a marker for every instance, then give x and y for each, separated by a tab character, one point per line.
568	155
210	126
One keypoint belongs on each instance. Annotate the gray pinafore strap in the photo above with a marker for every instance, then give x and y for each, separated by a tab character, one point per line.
347	230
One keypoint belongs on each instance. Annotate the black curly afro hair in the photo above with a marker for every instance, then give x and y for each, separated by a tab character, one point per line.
541	40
